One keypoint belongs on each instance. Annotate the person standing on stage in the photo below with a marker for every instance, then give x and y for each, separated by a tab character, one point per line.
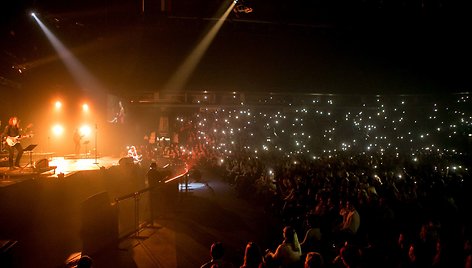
12	134
77	137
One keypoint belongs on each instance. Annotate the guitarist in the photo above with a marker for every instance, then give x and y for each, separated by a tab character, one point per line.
12	132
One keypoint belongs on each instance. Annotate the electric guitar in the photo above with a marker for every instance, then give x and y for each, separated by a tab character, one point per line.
12	141
78	138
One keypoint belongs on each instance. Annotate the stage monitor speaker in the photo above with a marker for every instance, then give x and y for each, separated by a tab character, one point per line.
126	161
41	164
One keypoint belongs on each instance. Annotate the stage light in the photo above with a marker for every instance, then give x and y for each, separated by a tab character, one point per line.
82	76
85	107
85	130
182	75
58	105
58	130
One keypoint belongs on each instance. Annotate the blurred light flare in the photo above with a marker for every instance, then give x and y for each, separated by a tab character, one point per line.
85	130
85	107
58	130
58	105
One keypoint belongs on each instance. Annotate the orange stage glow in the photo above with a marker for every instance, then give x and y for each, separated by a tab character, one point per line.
58	130
85	107
70	166
85	130
58	105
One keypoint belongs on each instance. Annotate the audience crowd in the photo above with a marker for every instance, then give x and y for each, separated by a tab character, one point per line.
383	185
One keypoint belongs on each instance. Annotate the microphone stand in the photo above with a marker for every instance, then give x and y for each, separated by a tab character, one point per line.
96	150
49	147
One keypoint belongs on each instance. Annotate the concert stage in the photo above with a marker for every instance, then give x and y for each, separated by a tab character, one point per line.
68	166
53	167
37	166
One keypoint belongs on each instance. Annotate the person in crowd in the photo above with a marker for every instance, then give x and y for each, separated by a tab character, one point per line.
288	253
351	220
84	262
467	253
401	254
312	240
252	256
314	260
423	250
155	182
133	153
349	257
217	252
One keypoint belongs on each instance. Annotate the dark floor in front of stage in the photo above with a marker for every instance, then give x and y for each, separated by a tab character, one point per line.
43	215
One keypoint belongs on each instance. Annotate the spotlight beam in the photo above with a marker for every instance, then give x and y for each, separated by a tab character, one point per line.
181	76
78	71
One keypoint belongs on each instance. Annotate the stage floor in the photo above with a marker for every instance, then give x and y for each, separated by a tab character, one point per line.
68	166
59	166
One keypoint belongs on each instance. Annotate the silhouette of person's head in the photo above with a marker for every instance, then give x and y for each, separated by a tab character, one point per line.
84	262
252	255
314	260
289	234
217	251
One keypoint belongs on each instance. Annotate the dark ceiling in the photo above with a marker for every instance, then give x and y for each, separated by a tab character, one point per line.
364	46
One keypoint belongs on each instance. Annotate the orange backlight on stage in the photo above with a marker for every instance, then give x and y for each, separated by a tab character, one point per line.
85	107
58	130
58	105
85	130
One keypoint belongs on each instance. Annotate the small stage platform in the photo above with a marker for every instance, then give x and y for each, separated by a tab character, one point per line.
68	166
55	167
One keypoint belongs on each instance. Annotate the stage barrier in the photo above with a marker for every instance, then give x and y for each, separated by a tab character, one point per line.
136	211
